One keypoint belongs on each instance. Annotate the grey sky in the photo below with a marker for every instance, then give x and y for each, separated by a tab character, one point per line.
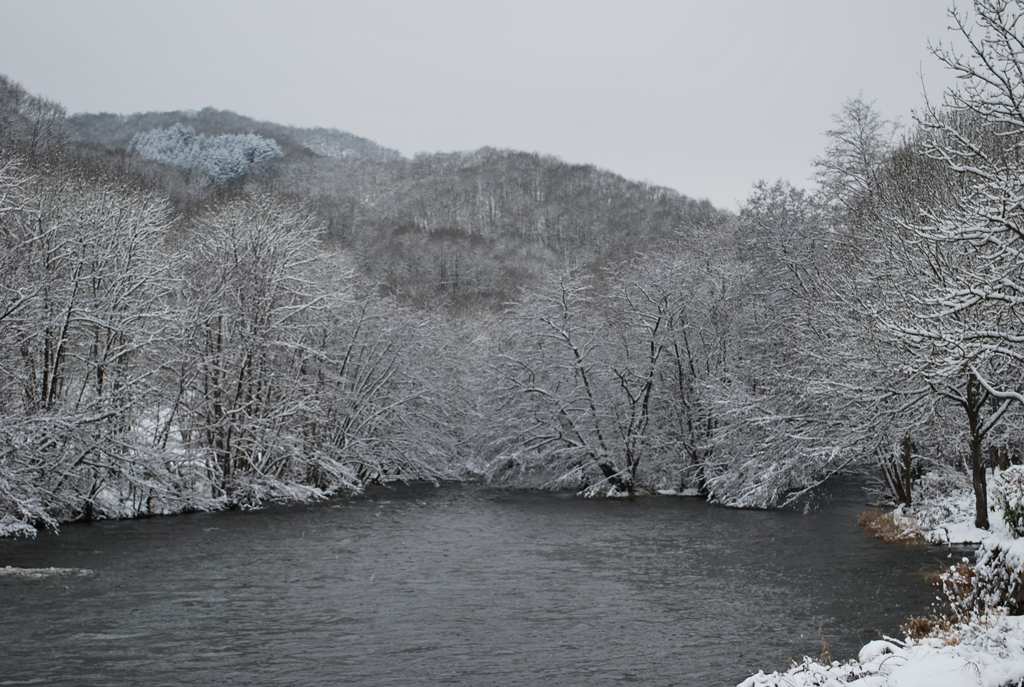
704	97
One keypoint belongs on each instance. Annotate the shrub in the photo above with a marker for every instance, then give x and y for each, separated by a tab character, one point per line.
1008	494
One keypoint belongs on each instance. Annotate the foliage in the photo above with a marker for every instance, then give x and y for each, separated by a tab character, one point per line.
999	580
1007	491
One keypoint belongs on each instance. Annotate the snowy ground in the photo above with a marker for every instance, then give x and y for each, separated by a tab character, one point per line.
987	652
978	650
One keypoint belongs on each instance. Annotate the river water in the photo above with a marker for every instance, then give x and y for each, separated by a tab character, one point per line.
453	585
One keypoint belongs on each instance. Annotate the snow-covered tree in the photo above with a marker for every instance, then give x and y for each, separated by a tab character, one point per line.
978	233
693	289
858	146
390	402
82	314
953	224
779	422
30	125
248	347
217	160
554	402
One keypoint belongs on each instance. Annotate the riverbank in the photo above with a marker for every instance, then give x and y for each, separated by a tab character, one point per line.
987	651
966	647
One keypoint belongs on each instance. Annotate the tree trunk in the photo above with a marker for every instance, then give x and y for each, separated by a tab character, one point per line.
980	485
908	459
976	397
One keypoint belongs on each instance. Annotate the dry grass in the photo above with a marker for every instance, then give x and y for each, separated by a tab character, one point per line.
924	626
957	585
826	648
892	528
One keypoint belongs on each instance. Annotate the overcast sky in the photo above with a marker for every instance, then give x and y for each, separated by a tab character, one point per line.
706	97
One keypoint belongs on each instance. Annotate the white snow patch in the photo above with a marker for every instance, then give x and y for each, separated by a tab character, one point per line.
37	573
873	650
957	533
985	652
674	492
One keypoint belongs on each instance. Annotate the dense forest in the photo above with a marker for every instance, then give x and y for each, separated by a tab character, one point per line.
202	311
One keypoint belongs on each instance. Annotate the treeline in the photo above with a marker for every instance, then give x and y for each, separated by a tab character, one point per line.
154	362
326	319
232	346
467	228
111	133
874	323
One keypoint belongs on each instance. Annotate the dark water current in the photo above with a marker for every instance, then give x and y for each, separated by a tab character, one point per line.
453	585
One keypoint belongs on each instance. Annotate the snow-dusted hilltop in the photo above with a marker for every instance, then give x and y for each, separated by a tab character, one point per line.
220	159
114	132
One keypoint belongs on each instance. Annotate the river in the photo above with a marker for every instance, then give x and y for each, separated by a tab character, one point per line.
462	585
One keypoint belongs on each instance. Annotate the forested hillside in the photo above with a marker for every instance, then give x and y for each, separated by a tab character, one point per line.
111	132
468	228
200	311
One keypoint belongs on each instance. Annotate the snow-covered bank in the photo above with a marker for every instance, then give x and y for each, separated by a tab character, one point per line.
987	651
979	643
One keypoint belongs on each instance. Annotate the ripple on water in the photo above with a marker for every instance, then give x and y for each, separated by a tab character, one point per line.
454	585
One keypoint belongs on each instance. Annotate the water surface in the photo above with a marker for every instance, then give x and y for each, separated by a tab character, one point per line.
453	585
